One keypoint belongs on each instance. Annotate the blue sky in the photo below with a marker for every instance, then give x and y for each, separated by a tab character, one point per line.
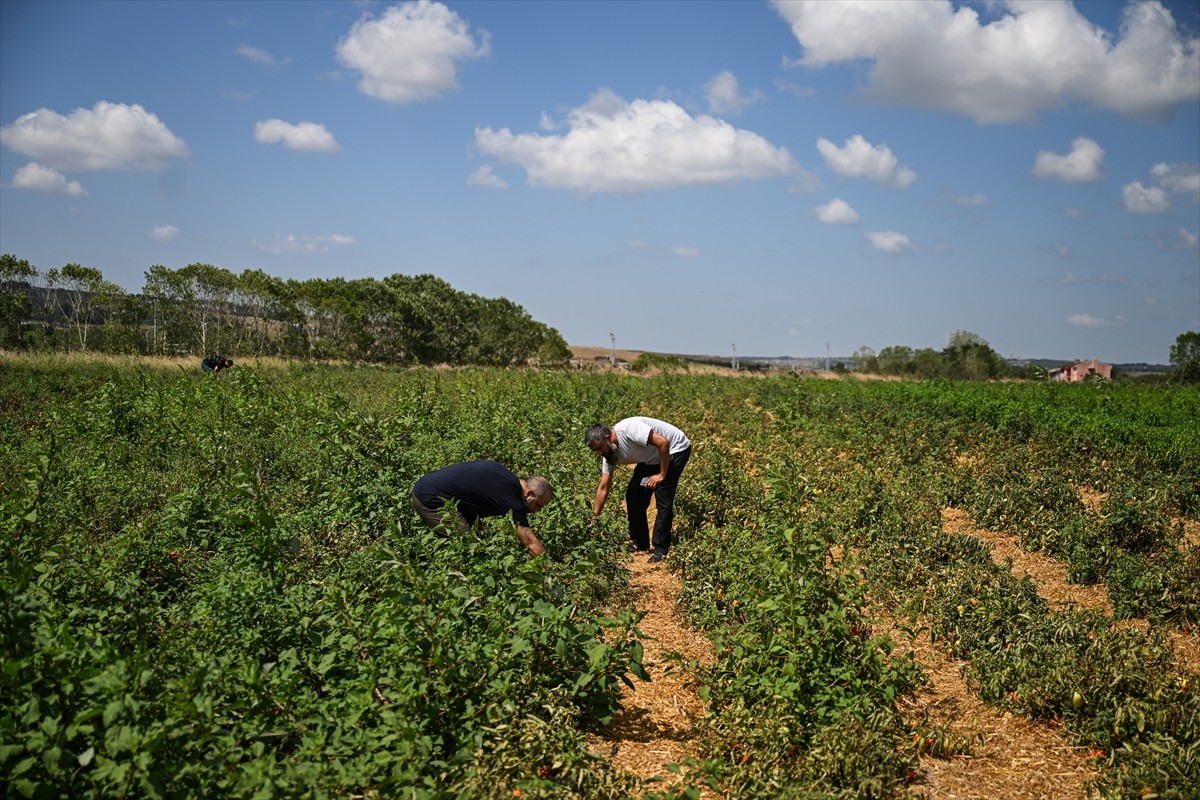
783	178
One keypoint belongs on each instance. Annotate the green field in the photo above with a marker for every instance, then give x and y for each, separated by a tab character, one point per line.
218	588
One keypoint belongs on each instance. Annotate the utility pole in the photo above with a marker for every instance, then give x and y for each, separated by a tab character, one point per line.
612	359
734	362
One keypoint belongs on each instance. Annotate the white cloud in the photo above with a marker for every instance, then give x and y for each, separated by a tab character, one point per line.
1060	250
1189	239
685	252
1074	213
37	178
302	245
1034	56
1141	199
614	146
724	96
256	55
890	242
1081	165
860	159
485	177
1088	321
970	200
836	212
108	136
308	137
1179	178
411	52
164	233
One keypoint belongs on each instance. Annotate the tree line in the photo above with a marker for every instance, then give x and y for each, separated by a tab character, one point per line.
967	356
201	308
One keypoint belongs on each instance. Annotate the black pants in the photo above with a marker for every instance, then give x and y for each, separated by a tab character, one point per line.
637	501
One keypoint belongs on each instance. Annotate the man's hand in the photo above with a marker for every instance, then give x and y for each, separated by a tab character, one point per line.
531	542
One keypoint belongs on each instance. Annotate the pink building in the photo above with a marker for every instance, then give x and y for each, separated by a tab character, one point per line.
1081	371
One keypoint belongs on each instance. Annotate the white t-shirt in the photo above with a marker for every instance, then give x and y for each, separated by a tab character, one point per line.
633	441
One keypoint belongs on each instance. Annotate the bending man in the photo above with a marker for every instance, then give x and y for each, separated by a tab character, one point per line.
481	489
660	451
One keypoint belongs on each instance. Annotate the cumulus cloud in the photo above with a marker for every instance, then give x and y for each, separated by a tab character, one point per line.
1141	199
302	245
836	212
37	178
724	96
1032	57
308	137
1088	321
860	159
1179	178
890	242
411	52
611	145
164	233
1081	165
485	177
107	136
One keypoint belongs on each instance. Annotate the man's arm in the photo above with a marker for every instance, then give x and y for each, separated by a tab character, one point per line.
602	494
664	459
532	544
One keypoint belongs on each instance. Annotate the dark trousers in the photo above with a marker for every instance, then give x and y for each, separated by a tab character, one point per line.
637	501
443	520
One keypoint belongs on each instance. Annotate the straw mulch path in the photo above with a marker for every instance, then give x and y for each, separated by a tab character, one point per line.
654	727
1012	757
1049	575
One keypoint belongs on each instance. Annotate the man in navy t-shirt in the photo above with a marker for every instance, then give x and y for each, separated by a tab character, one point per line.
481	489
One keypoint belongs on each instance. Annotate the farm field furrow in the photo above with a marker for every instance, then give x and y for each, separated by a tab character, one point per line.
218	587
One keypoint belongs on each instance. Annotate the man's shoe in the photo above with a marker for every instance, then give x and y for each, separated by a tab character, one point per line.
657	557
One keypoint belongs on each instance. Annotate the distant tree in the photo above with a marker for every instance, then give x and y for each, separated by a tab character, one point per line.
664	363
928	363
866	360
84	298
1185	357
167	294
553	350
969	357
15	305
896	360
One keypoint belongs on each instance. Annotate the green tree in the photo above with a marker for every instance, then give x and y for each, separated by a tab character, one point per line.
83	297
168	296
968	356
896	360
1185	357
928	363
15	305
865	359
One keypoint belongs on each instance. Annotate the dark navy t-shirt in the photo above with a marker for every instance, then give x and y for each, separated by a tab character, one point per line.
482	489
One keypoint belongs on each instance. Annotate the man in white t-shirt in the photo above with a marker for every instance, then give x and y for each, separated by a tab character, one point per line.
660	451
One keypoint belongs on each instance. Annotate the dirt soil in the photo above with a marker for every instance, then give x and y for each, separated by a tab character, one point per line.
654	727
